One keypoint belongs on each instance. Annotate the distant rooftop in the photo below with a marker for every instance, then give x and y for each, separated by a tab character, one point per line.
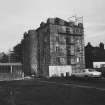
10	64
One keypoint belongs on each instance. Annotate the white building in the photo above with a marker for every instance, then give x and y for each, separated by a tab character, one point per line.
98	64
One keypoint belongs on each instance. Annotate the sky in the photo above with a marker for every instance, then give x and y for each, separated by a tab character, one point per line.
18	16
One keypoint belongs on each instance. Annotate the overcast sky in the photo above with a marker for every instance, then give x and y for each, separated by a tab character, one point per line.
18	16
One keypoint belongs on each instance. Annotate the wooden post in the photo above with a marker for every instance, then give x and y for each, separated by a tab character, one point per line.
11	69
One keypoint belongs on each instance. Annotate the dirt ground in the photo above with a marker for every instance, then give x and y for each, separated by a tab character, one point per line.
33	92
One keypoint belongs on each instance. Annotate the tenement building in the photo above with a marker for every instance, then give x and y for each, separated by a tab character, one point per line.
29	48
60	47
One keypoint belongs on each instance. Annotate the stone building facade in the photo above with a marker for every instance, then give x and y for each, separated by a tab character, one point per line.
55	43
60	43
29	44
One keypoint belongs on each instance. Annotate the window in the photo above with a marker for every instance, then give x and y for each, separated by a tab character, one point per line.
78	41
72	39
62	39
68	39
71	30
58	60
67	30
78	60
57	49
57	38
45	39
72	50
62	61
72	61
78	49
63	28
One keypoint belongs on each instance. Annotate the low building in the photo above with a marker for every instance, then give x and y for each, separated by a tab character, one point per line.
98	64
11	71
94	54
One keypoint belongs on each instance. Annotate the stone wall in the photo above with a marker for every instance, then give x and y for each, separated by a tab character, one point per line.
30	52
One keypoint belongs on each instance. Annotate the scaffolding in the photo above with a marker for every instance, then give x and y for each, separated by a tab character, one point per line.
76	20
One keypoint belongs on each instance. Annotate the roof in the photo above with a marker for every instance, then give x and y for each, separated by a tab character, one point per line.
11	64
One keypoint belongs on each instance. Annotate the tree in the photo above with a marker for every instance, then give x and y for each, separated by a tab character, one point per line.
18	52
4	58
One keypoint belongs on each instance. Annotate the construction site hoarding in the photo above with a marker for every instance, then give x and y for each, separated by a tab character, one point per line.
58	71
